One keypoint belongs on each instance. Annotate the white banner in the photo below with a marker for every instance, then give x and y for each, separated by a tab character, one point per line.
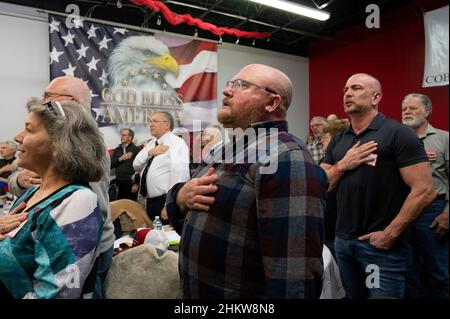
436	48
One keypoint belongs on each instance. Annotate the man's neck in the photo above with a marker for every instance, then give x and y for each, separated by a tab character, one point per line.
162	135
317	138
362	121
8	157
421	129
126	144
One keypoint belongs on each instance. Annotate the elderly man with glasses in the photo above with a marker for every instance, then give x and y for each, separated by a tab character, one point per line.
162	163
314	144
251	232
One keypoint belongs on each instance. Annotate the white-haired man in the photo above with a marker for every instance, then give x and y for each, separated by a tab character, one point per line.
162	163
428	236
7	151
314	143
73	89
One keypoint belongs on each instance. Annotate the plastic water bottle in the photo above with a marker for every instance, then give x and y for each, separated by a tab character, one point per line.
157	237
157	224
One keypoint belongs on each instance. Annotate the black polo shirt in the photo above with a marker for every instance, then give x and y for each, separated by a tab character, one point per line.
369	197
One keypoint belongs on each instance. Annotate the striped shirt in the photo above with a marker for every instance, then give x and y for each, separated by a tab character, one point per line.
263	236
54	252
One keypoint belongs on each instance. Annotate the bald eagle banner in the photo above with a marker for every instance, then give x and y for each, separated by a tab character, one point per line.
131	74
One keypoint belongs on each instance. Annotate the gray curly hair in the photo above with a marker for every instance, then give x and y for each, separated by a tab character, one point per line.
78	146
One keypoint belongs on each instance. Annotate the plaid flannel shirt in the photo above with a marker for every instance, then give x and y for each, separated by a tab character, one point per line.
316	150
263	236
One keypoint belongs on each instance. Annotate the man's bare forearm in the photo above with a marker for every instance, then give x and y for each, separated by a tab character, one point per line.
412	208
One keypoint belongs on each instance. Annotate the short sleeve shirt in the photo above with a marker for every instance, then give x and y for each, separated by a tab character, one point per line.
370	196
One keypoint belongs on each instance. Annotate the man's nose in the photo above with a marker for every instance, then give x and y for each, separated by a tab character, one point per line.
227	91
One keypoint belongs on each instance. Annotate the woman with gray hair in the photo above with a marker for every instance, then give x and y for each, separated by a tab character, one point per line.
52	253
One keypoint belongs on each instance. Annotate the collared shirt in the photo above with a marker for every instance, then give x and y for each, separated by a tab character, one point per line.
166	169
316	150
369	197
263	236
437	140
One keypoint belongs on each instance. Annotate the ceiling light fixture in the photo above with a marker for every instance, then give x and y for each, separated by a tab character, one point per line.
295	8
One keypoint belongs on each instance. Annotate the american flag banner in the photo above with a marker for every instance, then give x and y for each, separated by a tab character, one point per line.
132	73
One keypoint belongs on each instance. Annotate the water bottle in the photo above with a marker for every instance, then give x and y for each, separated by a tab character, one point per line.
157	224
157	237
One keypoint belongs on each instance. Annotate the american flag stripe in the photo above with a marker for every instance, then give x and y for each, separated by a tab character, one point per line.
207	88
203	62
185	54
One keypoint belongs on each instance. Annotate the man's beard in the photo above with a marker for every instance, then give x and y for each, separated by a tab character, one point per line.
354	109
414	122
229	119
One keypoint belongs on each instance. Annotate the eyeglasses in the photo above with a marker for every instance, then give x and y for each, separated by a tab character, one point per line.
243	85
158	121
52	96
56	108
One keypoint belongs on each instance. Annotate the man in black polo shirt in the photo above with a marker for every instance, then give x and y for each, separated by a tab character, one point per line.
383	182
122	160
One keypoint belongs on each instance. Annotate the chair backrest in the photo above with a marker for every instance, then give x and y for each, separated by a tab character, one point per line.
131	214
113	192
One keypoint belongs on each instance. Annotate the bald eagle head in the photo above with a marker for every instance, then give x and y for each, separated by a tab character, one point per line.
136	58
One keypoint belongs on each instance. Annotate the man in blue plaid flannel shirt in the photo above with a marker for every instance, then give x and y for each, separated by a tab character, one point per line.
314	142
252	226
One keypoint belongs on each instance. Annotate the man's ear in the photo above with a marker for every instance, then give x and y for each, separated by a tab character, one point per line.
274	104
377	97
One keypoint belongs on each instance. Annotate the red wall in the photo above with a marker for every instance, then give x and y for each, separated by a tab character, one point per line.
394	56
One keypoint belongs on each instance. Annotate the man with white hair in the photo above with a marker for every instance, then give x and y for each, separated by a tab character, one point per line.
7	151
428	236
315	147
68	88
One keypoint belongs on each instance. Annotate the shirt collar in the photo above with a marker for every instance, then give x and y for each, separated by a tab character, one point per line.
165	138
374	125
280	125
430	130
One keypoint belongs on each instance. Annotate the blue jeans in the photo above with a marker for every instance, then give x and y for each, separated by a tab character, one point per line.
428	274
104	262
368	272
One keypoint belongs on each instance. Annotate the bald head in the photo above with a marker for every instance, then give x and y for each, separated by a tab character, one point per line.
273	79
67	88
369	80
